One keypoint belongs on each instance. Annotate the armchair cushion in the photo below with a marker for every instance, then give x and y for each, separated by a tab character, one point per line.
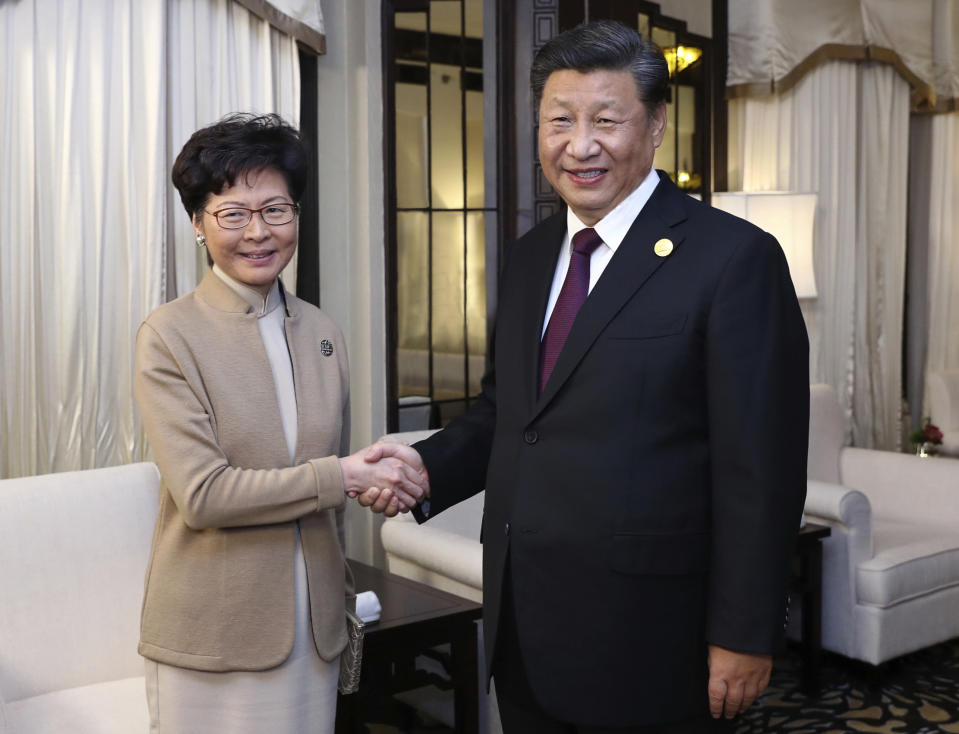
910	561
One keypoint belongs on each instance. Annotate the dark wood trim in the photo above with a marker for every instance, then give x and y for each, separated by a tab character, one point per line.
308	249
443	49
387	25
505	132
720	103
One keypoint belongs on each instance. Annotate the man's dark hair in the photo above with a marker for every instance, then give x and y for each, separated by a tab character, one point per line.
215	156
606	45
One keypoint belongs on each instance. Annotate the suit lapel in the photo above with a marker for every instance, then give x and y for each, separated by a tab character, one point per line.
632	265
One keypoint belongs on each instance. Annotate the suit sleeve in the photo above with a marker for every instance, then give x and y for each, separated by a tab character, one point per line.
757	355
457	457
207	490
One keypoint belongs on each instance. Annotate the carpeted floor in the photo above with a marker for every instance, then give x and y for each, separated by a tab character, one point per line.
916	694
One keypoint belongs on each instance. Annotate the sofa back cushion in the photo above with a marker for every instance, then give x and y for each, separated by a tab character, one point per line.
73	552
826	434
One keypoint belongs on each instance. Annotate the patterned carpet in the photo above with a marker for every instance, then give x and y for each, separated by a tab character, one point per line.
916	694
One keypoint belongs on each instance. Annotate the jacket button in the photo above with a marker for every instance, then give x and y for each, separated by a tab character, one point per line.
506	529
531	437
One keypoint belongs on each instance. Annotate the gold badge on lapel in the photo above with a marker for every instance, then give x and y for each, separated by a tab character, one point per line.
663	247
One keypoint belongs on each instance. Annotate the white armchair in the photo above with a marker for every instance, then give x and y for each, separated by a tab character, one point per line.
73	552
943	390
891	565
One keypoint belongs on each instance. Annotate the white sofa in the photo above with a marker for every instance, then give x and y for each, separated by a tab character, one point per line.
891	564
73	551
943	390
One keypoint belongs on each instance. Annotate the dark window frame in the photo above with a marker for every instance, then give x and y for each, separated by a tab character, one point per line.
308	248
503	202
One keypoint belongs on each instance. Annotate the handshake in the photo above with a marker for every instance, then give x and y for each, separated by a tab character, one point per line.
386	477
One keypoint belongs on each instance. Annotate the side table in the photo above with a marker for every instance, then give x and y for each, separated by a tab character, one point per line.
415	618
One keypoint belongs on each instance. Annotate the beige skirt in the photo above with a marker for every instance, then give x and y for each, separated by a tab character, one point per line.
297	696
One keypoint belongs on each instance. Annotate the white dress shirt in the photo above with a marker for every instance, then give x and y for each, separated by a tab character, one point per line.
612	229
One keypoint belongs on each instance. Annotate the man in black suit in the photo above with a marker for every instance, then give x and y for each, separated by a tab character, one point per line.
641	434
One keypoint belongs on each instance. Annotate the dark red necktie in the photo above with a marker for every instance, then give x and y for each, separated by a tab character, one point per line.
571	297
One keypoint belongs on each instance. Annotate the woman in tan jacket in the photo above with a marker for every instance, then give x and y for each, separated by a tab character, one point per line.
244	393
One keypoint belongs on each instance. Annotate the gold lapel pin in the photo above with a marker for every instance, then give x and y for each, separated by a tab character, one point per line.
663	247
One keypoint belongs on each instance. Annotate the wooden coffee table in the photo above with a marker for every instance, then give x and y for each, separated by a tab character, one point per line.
415	619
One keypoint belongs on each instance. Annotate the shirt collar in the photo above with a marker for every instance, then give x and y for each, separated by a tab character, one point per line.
613	227
261	306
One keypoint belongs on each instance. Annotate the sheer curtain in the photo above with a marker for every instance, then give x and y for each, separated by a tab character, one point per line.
944	244
815	138
221	59
933	254
82	225
92	237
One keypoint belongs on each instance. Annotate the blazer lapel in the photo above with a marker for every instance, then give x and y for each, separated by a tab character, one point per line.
633	264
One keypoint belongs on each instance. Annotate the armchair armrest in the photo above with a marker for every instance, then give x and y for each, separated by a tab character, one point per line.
455	556
835	505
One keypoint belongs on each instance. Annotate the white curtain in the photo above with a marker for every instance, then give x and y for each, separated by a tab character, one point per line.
943	352
933	326
880	257
97	100
772	44
816	137
82	191
221	59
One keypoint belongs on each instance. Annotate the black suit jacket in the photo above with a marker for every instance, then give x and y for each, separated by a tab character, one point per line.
648	501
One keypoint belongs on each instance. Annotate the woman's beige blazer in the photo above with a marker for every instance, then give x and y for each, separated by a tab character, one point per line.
219	586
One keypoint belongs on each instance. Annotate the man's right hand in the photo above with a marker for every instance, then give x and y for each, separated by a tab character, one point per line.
385	477
392	500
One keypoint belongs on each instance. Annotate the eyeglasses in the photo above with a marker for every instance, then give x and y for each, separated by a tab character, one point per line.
237	217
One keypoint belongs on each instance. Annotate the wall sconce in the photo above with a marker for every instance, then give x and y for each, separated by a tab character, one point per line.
787	216
680	57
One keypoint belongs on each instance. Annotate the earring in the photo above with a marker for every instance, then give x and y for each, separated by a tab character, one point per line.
200	240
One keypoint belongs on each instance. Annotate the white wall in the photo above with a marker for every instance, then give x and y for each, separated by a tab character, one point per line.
351	224
698	14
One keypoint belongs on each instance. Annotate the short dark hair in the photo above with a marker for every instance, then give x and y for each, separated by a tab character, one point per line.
604	45
215	156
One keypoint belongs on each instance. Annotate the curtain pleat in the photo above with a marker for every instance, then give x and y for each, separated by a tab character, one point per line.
933	302
880	257
222	59
81	226
943	266
815	138
97	99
